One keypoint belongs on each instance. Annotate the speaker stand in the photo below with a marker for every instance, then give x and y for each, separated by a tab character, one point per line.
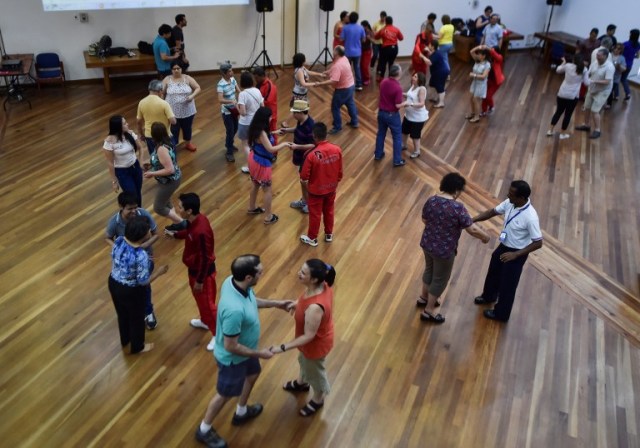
325	51
266	60
546	31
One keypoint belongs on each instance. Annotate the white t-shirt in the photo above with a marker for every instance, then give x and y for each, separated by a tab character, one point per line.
602	72
251	98
124	154
570	87
521	224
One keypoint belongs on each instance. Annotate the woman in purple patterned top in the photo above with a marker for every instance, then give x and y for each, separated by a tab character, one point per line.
444	219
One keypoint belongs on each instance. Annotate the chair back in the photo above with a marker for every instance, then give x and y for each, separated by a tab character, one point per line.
48	65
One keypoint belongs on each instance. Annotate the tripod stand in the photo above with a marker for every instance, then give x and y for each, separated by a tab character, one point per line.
266	60
325	51
546	31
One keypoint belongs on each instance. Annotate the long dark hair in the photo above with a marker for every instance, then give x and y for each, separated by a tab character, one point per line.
115	129
321	271
160	135
259	123
578	60
634	35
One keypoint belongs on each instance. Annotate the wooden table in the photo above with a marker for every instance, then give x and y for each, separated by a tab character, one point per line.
569	41
12	78
120	64
508	38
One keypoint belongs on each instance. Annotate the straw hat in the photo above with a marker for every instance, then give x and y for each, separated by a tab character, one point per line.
300	106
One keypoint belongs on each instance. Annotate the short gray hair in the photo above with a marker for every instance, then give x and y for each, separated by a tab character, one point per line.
394	70
339	50
604	52
607	42
155	86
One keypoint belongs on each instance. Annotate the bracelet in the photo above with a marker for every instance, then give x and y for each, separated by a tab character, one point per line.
283	348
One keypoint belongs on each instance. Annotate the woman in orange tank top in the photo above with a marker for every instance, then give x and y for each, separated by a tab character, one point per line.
314	333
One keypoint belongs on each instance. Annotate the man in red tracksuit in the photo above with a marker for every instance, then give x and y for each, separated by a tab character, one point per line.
199	257
321	172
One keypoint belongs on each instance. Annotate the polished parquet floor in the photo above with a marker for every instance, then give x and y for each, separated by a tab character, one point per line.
562	373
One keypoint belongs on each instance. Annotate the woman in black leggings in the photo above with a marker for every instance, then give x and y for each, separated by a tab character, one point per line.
390	36
574	75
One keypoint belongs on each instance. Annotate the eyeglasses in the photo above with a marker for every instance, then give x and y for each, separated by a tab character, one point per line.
176	68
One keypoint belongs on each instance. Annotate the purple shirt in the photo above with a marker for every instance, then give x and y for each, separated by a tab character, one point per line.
352	35
390	95
445	219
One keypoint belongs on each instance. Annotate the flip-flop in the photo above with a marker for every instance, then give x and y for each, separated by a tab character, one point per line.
272	220
310	408
421	301
469	116
255	211
428	317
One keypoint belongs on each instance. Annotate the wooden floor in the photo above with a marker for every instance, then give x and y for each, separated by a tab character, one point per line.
563	372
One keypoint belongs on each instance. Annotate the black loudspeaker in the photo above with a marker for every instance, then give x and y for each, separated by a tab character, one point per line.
327	5
264	5
554	2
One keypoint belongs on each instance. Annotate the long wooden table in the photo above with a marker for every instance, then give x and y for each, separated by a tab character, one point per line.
120	64
569	41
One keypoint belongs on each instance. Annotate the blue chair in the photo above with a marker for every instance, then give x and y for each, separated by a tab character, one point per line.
49	69
557	52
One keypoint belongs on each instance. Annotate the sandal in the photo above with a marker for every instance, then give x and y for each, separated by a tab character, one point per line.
421	301
415	154
428	317
294	386
310	408
474	120
255	211
469	116
272	220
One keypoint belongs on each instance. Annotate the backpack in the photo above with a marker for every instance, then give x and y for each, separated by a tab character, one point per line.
145	48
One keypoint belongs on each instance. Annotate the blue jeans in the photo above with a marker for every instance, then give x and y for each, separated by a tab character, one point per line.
130	179
389	120
340	98
445	49
355	61
625	81
151	146
182	124
231	127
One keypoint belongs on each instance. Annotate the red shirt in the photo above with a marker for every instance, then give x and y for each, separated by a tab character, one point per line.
322	168
496	67
269	92
322	343
390	35
390	95
198	255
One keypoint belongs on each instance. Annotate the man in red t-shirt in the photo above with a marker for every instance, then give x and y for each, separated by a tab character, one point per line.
269	93
200	259
321	172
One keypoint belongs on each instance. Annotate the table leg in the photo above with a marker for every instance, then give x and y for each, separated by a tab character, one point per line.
107	80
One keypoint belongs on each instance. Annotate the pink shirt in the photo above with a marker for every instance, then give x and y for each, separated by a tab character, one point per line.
340	73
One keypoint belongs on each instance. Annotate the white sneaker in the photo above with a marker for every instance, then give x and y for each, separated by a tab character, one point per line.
328	238
306	240
212	344
564	136
245	169
197	323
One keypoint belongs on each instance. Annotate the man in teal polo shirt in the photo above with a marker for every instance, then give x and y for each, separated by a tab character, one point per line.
236	346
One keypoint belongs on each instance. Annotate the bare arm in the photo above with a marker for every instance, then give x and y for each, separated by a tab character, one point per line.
140	122
232	345
264	140
487	214
165	160
477	232
194	86
223	101
510	256
312	319
280	304
108	155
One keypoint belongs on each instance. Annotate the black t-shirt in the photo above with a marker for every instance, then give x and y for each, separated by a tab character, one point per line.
176	34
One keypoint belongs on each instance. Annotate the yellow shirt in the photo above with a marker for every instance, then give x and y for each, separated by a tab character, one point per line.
152	109
446	34
377	27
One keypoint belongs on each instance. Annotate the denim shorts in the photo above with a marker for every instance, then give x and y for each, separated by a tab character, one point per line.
231	378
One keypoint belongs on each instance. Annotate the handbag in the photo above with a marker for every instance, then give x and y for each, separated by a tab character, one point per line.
235	113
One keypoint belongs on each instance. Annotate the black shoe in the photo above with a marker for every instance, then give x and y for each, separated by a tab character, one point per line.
210	438
334	131
594	134
176	227
379	158
482	301
353	125
229	157
252	412
150	321
491	314
400	163
583	127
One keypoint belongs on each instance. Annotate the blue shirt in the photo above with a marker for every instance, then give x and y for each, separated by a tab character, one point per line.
116	225
237	316
130	265
352	35
160	46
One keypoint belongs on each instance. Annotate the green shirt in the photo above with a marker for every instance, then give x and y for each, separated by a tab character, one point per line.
237	316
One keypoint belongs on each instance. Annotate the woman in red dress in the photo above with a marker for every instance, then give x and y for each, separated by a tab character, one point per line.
421	53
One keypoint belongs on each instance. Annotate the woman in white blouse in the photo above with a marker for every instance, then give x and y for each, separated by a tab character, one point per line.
120	149
180	91
249	101
575	75
415	113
